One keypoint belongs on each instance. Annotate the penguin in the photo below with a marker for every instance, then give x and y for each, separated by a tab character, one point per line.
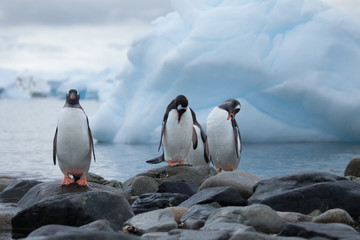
73	143
223	136
199	156
177	133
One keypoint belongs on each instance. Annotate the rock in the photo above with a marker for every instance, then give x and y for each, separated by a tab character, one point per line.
306	192
149	181
92	177
353	168
225	196
182	234
153	201
193	223
88	235
260	236
74	209
261	217
335	216
178	212
230	228
7	212
244	182
328	230
200	212
49	189
154	235
162	220
182	187
98	225
294	217
16	190
5	181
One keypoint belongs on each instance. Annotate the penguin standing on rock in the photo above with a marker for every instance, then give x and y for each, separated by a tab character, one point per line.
73	144
223	136
177	133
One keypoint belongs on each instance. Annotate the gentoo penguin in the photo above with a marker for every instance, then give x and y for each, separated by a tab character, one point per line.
177	133
223	136
200	155
73	141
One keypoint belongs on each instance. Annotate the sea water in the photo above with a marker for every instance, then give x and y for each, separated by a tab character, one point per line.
27	130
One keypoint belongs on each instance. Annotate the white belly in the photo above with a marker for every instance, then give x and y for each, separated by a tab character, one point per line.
177	136
73	146
221	140
196	157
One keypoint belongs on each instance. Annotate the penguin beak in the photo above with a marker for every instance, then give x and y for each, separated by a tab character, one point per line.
231	115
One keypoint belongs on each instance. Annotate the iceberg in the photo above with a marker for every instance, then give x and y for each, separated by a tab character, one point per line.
293	65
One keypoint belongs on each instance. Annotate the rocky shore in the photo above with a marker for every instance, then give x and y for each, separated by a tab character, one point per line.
171	203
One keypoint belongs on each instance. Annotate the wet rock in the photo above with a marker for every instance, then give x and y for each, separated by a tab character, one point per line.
49	189
178	212
294	217
244	182
149	181
16	190
335	216
153	201
88	235
261	217
92	177
201	212
306	192
353	168
162	220
5	181
328	230
260	236
180	234
75	209
182	187
225	196
230	228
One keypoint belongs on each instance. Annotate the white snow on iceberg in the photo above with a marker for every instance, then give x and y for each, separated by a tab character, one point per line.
294	66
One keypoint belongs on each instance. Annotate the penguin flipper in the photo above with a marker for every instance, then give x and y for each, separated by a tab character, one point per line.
237	137
194	139
91	141
206	151
162	133
54	146
156	160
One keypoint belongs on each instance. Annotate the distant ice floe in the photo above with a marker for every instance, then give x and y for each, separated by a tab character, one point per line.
293	65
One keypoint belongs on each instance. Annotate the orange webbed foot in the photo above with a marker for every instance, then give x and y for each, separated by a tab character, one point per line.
218	170
82	181
67	180
182	163
171	164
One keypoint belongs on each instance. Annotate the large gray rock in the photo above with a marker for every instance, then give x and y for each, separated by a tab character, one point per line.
306	192
49	189
183	234
261	217
225	196
230	228
336	215
88	235
162	220
73	210
182	187
94	178
16	190
200	211
149	181
244	182
328	230
241	235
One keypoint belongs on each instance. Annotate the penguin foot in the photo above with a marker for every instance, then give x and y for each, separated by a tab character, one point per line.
67	180
218	170
82	181
171	164
182	163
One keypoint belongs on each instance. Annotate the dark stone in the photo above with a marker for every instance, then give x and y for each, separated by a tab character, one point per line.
353	168
92	177
49	189
225	196
326	230
153	201
193	223
5	181
199	212
89	235
16	190
148	181
75	209
182	187
306	192
178	234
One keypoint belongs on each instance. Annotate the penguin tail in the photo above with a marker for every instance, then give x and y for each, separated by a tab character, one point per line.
156	160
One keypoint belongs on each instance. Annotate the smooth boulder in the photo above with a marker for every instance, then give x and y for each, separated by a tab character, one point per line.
16	190
353	168
183	187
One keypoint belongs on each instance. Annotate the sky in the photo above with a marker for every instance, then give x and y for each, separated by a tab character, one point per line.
59	36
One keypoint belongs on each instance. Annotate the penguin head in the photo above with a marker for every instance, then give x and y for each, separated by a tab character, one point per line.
72	97
232	106
180	104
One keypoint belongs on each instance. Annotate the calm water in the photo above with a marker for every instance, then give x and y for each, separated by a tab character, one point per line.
27	130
